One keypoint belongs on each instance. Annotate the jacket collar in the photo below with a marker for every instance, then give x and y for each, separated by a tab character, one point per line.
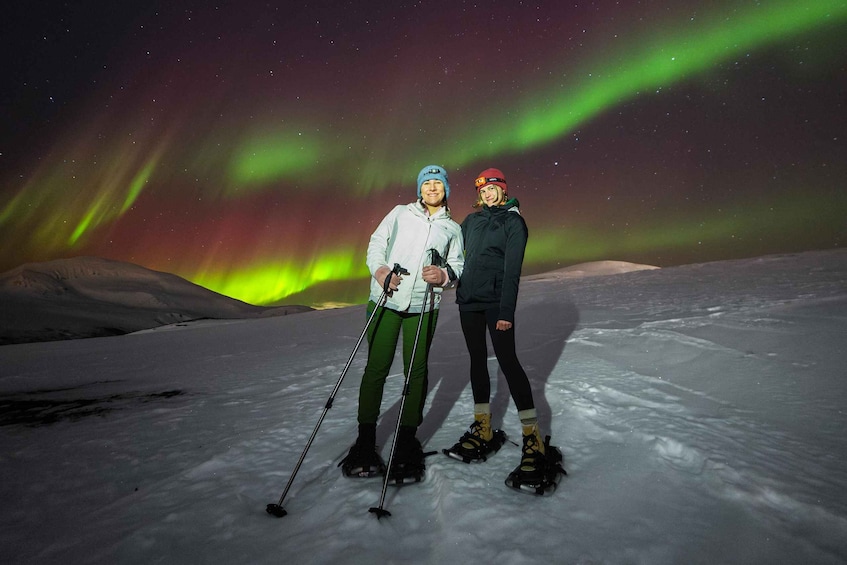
419	207
510	205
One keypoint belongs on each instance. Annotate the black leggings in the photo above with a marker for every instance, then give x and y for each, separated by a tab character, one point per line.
473	326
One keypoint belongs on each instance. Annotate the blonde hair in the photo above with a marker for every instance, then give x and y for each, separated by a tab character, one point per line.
500	200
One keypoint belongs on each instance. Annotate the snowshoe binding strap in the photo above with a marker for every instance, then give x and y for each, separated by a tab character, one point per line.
472	448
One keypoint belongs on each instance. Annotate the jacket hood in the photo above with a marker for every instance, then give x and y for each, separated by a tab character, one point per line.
510	205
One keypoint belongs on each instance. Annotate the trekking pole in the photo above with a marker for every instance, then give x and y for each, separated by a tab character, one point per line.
277	509
379	510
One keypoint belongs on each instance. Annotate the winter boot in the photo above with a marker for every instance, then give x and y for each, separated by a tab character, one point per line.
532	454
481	429
408	463
478	442
363	459
540	469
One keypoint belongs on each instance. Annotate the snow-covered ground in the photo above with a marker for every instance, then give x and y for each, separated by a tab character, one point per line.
700	409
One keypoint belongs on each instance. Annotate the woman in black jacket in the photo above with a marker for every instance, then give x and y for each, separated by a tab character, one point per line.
495	239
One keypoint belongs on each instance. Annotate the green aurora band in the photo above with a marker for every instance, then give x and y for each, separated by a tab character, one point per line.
271	282
549	116
741	222
554	112
537	120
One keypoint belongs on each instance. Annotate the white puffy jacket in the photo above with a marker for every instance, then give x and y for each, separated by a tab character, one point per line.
405	236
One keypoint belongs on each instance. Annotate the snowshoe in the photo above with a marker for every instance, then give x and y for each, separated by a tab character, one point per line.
538	473
362	462
406	474
408	466
472	449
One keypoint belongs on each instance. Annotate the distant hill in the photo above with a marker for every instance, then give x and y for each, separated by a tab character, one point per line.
591	269
94	297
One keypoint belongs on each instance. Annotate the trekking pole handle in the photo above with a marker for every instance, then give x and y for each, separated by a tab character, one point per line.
397	270
436	258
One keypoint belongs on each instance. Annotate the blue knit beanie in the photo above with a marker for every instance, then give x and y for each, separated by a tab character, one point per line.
434	172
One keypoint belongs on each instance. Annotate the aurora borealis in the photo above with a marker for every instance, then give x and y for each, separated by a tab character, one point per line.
252	147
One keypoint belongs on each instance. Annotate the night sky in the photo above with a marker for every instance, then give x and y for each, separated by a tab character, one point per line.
252	147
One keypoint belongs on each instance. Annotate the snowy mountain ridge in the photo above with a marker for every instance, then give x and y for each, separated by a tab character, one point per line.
92	297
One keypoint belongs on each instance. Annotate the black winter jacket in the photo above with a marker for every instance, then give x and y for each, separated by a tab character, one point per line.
495	241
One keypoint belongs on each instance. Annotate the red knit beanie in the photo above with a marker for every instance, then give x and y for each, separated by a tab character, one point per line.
491	176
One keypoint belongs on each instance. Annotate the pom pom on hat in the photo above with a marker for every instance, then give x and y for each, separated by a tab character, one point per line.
434	172
491	176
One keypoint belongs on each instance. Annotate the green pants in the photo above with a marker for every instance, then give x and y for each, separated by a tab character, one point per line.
383	334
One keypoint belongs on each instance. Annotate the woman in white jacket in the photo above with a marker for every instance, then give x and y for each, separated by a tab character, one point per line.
407	237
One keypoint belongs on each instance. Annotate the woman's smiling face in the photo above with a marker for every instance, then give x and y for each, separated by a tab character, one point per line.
491	195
